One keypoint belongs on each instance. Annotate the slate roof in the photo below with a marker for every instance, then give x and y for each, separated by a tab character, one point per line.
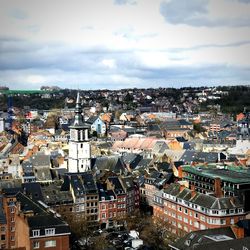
194	156
105	193
131	159
159	147
27	166
112	163
234	175
183	122
52	195
118	189
2	215
128	183
203	239
42	173
92	119
33	189
40	159
144	163
81	183
203	200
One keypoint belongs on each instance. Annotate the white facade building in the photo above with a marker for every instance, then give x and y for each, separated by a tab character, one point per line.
79	146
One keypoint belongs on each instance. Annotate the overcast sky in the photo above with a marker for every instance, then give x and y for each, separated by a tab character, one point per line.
92	44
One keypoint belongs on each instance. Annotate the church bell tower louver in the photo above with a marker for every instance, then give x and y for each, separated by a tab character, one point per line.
79	145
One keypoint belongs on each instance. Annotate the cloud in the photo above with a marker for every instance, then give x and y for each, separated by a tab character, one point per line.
18	14
244	1
130	34
189	12
30	65
199	13
123	2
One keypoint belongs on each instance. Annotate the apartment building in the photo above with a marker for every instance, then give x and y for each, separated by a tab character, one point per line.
185	210
31	225
222	181
107	207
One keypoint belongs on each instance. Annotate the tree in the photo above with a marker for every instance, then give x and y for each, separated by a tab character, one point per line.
79	227
157	234
100	243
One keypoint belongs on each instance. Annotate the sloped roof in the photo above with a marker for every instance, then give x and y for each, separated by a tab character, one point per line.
200	239
201	199
112	163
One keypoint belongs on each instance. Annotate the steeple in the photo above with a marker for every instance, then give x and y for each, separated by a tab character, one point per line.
78	119
79	146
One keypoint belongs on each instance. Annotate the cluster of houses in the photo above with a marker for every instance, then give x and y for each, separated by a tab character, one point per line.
101	169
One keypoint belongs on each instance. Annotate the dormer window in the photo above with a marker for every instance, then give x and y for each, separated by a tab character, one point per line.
50	231
36	232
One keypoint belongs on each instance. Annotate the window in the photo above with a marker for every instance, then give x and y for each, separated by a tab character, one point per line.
180	209
12	238
36	245
232	221
185	211
12	229
103	207
2	229
3	237
50	231
12	210
50	243
35	233
196	215
103	215
12	219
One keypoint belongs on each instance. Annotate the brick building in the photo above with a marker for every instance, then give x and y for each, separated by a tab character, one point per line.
186	210
220	180
114	183
85	194
107	207
31	225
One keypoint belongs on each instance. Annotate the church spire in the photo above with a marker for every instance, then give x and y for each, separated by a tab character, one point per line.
78	121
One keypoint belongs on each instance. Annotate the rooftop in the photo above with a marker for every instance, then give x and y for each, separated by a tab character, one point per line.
232	174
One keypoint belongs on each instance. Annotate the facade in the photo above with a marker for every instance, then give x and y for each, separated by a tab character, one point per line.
85	195
107	207
220	180
114	183
10	212
29	225
133	194
3	225
79	146
40	229
185	210
97	125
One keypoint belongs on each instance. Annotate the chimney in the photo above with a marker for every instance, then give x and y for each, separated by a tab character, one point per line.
217	187
180	173
193	192
182	187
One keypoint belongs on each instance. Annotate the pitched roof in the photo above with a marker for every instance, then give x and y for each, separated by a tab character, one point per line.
205	239
201	199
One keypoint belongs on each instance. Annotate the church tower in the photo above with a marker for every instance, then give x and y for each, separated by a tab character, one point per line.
79	146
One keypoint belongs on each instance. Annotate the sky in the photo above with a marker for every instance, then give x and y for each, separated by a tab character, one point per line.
114	44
